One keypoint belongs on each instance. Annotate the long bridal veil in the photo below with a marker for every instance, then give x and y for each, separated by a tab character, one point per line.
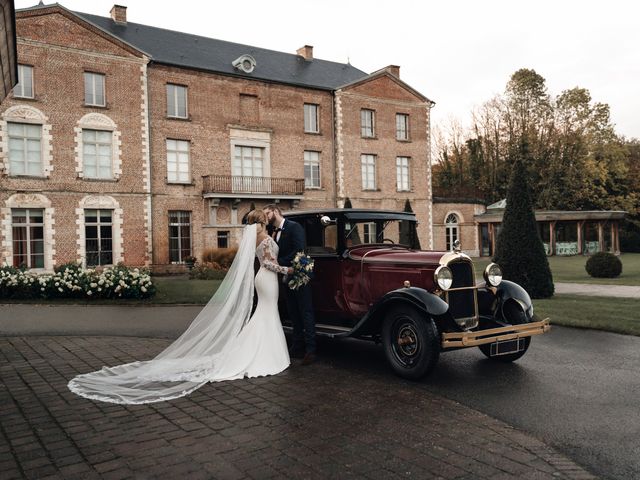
196	356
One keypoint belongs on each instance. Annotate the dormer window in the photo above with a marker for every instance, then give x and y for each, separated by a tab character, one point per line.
246	63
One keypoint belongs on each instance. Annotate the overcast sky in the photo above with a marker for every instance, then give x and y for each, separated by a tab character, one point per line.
458	53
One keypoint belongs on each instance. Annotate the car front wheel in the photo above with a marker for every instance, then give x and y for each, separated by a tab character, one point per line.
410	340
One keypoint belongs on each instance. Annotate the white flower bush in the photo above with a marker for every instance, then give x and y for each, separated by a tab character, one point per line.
70	280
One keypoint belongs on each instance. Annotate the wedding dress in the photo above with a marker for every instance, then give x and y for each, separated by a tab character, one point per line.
224	342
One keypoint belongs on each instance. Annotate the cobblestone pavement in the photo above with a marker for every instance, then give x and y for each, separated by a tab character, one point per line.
308	422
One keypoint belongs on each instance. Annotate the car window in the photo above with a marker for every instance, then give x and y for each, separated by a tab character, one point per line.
378	231
320	239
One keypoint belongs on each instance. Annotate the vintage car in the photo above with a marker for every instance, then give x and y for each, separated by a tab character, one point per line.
372	281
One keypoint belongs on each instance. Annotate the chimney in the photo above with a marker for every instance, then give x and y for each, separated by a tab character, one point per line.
393	70
306	52
119	14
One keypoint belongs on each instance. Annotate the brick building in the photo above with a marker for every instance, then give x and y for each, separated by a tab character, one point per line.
125	142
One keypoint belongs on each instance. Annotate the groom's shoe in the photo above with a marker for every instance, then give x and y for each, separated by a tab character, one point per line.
309	358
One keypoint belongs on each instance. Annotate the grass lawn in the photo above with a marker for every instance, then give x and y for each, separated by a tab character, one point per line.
619	315
571	269
181	289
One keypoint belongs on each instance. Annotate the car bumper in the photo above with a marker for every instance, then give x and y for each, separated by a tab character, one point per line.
481	337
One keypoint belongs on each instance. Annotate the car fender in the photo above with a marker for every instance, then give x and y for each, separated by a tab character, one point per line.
432	306
504	293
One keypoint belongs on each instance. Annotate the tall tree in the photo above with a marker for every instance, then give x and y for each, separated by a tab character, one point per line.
576	160
519	250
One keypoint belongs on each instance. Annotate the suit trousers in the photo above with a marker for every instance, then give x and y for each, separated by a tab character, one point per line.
299	305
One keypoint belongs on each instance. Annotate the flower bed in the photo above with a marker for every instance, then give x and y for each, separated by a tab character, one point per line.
70	280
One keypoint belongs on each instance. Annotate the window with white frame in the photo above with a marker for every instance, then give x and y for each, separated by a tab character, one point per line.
248	161
179	235
27	230
369	232
98	233
368	172
25	149
178	161
451	230
311	118
94	89
311	169
24	88
402	126
97	158
367	123
176	101
402	174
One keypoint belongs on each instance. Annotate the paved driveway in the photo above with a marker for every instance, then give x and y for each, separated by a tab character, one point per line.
329	420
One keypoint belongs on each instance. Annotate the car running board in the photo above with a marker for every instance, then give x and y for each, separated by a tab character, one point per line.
324	330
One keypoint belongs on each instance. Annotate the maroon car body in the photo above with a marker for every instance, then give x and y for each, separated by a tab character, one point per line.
372	281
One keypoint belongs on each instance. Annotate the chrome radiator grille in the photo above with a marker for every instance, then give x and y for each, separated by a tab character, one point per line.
462	303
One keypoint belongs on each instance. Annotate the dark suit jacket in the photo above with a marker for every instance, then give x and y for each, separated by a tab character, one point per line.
291	242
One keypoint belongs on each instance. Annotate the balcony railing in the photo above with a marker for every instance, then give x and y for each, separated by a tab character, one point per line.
235	184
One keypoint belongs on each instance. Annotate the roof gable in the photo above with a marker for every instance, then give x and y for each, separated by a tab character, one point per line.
54	24
384	84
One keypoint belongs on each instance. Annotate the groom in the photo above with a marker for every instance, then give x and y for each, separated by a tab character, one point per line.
290	239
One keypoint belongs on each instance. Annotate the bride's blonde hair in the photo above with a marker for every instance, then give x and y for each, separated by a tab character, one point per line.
257	216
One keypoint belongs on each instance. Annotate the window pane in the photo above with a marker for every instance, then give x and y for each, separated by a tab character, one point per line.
99	89
171	102
35	216
105	216
402	126
310	117
88	88
91	232
18	215
33	131
24	88
182	101
176	101
104	136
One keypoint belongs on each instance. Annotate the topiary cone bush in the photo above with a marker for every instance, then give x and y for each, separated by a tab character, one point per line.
519	250
603	265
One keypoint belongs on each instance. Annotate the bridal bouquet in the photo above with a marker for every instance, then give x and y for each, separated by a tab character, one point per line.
302	265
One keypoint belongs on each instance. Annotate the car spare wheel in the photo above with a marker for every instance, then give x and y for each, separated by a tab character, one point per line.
410	341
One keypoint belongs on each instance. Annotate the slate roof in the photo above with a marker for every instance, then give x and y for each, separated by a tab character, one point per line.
192	51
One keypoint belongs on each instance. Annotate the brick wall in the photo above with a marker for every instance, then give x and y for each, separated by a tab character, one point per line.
70	48
467	227
214	115
223	111
386	97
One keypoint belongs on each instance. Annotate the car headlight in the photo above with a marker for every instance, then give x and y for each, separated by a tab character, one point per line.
493	274
444	277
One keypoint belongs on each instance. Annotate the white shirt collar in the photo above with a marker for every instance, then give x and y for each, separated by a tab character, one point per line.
281	224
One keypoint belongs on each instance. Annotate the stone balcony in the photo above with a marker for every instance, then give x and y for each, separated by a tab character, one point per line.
243	187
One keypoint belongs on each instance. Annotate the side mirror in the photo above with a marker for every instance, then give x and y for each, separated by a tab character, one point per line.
324	220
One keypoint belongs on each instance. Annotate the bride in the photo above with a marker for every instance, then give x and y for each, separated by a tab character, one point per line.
224	342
